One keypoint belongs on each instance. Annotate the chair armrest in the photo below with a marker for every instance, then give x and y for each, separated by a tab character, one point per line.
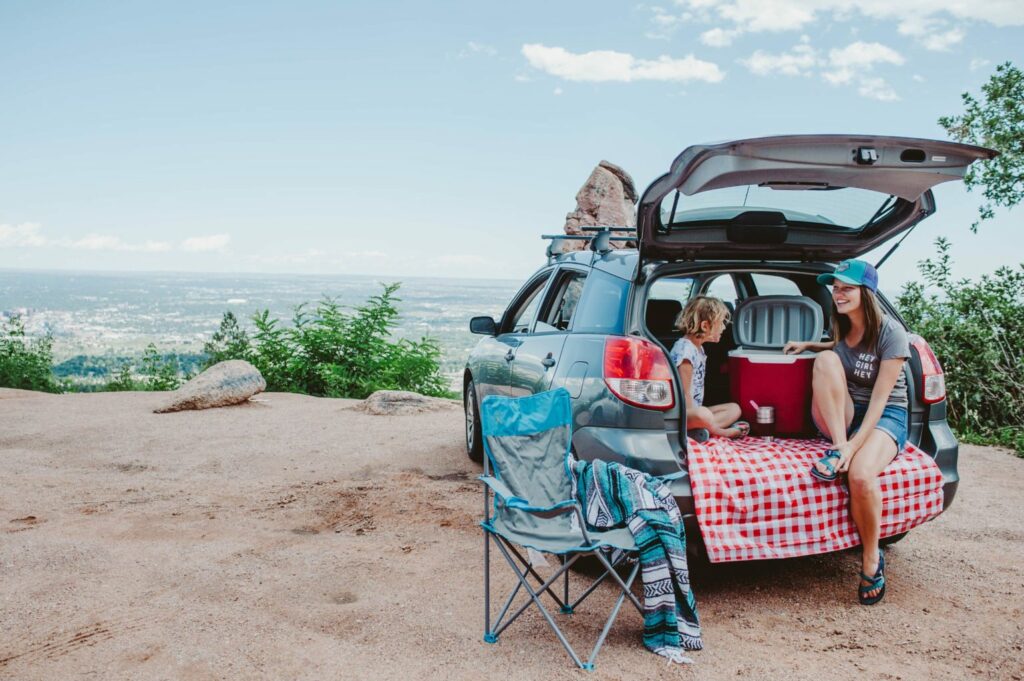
512	501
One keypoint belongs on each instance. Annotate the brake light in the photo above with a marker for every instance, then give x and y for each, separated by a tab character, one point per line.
638	373
933	388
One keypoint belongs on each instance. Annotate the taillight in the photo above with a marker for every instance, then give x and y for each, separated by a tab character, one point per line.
638	372
934	382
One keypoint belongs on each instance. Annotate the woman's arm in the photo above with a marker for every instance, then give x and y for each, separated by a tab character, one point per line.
888	373
796	347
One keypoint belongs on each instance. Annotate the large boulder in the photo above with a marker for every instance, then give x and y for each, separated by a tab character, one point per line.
223	384
608	197
398	402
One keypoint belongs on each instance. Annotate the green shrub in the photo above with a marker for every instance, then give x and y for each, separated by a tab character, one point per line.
122	380
156	372
25	363
333	353
976	329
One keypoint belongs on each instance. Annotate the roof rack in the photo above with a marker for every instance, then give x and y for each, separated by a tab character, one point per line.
599	243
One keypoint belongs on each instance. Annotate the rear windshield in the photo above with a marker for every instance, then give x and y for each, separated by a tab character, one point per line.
838	208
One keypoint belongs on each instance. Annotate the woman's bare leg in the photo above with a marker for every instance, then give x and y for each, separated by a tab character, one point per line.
831	404
866	495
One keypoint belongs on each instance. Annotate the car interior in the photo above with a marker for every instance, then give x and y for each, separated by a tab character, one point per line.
669	295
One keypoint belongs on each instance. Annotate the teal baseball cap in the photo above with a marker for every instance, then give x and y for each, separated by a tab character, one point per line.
856	272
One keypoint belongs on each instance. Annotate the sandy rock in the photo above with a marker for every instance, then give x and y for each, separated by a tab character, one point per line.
398	402
606	198
223	384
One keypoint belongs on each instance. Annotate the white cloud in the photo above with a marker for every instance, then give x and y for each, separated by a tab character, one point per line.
473	47
877	88
856	59
918	78
935	24
460	259
978	63
105	242
213	242
609	66
29	235
799	61
718	37
557	91
851	64
24	235
521	78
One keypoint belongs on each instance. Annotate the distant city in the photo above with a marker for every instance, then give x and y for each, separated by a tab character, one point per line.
98	319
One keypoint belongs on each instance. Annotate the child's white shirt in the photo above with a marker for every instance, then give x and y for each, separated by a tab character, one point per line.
685	351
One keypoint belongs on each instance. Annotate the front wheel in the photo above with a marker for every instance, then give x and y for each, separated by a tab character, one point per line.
474	441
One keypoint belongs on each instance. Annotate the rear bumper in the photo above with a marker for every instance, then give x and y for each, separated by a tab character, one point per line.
939	441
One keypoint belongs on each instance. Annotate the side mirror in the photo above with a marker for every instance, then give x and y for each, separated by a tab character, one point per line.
483	325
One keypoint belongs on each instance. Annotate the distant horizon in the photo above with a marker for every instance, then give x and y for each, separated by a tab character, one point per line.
59	271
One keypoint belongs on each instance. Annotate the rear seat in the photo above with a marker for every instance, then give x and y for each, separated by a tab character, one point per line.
661	319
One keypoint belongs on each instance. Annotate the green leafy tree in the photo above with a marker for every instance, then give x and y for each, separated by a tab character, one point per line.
122	380
230	341
159	372
996	121
26	363
976	329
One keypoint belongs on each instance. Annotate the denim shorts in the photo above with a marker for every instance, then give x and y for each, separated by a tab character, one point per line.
893	423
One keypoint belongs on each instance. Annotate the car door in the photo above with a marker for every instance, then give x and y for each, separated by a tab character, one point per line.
539	350
492	360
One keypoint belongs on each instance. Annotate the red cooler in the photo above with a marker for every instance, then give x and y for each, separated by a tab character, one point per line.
770	378
760	373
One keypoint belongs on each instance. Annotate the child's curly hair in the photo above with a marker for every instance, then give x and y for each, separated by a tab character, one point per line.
701	309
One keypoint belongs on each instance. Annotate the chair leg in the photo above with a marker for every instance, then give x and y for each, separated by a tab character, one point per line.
535	598
613	615
566	608
489	636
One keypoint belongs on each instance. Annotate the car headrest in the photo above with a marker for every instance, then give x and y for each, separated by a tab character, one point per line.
661	315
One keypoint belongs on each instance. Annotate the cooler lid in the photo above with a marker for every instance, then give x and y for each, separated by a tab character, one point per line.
769	322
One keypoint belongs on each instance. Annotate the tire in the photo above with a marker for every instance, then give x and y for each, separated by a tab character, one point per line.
474	444
891	540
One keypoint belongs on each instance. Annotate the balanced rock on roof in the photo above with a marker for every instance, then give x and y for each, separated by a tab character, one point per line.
608	197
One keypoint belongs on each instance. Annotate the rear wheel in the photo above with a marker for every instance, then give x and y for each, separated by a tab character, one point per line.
891	540
474	443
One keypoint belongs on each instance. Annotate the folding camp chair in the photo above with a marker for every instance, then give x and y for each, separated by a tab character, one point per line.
527	440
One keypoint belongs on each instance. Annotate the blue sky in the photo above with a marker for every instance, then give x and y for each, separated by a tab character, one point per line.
407	139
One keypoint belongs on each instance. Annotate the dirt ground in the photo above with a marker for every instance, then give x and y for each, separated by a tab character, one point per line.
297	538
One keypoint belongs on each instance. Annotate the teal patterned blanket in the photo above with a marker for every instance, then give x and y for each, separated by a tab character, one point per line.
616	496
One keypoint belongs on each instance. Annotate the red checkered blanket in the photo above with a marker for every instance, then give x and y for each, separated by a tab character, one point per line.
757	500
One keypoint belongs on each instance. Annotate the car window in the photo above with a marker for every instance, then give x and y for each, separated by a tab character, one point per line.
558	315
723	288
775	285
524	309
672	288
603	306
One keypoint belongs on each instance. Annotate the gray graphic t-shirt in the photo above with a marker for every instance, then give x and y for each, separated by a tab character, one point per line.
685	350
861	363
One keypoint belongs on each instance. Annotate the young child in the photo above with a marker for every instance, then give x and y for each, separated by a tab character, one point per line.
702	321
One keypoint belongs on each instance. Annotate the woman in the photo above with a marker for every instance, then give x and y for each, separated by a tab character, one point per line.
860	403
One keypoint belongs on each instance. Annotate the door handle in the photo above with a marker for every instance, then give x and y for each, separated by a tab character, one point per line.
548	361
509	356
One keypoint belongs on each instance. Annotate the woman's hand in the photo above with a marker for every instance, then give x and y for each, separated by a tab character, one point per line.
795	347
846	452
